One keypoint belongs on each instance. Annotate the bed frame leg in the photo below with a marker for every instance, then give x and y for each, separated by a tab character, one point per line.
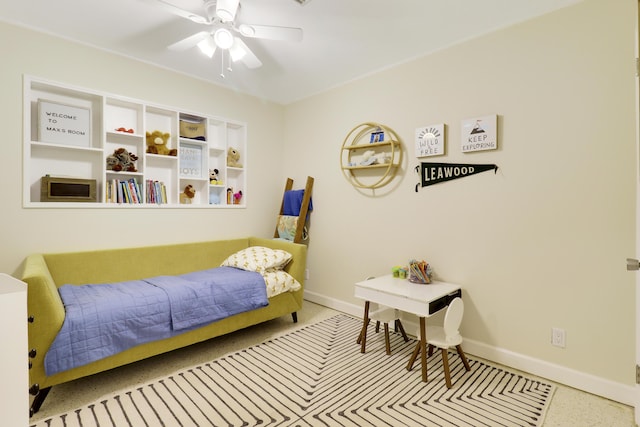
40	395
294	315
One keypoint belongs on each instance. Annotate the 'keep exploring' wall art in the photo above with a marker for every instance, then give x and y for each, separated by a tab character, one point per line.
480	133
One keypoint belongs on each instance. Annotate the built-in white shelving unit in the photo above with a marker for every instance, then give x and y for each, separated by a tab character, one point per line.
70	133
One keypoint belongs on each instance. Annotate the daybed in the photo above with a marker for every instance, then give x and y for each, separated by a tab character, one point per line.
45	273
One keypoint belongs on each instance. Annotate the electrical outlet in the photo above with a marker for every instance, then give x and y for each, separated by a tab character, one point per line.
558	337
306	274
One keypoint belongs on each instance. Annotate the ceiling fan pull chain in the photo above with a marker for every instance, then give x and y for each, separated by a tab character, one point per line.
222	64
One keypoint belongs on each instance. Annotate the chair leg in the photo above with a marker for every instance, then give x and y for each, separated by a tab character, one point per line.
445	364
387	343
362	338
377	326
430	352
414	356
404	334
463	357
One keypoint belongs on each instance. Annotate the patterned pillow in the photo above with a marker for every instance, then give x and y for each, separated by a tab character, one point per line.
258	259
279	281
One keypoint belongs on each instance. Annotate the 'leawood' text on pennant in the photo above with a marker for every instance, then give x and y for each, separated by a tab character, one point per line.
435	173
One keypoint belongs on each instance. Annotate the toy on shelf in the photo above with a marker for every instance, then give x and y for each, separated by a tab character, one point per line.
233	158
157	143
124	130
214	198
214	178
187	195
122	161
237	197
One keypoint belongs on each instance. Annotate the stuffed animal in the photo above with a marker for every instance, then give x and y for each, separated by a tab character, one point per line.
368	158
157	143
214	198
237	197
213	177
187	195
383	157
233	158
122	160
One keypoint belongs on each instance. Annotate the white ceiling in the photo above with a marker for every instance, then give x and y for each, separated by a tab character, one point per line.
343	39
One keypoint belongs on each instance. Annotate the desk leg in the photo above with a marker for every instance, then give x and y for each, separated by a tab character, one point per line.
365	323
423	348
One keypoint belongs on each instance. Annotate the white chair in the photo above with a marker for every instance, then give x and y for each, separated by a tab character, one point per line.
445	337
383	315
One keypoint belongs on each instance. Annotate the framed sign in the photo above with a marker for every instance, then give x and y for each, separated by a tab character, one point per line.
430	140
63	124
480	133
191	160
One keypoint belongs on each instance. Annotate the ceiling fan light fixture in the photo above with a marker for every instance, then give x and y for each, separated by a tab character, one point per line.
237	52
207	46
223	38
226	9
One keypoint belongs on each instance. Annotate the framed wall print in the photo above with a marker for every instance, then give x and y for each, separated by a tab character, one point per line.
63	124
430	140
480	133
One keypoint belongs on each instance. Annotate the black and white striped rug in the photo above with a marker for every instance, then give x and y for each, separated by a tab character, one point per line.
316	376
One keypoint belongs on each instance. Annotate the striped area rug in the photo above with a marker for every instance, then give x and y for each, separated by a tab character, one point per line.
316	376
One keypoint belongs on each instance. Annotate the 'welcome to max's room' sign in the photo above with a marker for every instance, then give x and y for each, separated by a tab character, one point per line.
435	173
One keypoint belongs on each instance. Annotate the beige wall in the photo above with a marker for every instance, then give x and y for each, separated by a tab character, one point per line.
543	242
540	244
25	231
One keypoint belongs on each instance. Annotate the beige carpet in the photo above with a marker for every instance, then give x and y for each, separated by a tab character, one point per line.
316	376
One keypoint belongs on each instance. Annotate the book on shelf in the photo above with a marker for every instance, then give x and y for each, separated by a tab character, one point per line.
156	192
123	191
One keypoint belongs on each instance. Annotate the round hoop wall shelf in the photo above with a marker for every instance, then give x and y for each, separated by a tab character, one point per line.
371	155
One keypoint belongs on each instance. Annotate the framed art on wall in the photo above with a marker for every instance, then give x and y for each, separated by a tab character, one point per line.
479	133
430	141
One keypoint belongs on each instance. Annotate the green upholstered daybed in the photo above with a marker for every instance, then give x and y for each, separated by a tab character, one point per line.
44	273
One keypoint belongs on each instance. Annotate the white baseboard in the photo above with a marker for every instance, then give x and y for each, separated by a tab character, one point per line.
589	383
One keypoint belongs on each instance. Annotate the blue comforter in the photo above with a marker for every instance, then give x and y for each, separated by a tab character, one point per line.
105	319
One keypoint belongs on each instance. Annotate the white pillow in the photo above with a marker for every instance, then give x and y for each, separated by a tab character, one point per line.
279	281
258	259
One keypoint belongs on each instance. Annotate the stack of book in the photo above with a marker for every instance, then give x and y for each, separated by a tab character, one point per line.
127	191
156	192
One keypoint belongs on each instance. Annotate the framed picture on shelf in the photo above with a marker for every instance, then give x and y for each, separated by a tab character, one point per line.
191	161
64	124
377	136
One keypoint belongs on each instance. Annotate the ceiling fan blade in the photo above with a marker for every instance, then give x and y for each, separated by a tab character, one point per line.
241	52
271	32
180	12
189	42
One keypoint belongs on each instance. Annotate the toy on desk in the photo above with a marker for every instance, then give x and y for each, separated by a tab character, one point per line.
399	272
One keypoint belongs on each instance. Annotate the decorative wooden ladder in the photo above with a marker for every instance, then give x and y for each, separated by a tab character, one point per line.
304	208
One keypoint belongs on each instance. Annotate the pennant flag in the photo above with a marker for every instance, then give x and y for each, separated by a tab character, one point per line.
434	173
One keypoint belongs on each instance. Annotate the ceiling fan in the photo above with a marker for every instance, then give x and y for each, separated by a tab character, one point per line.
225	33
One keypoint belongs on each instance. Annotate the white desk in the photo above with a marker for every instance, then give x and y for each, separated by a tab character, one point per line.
423	300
